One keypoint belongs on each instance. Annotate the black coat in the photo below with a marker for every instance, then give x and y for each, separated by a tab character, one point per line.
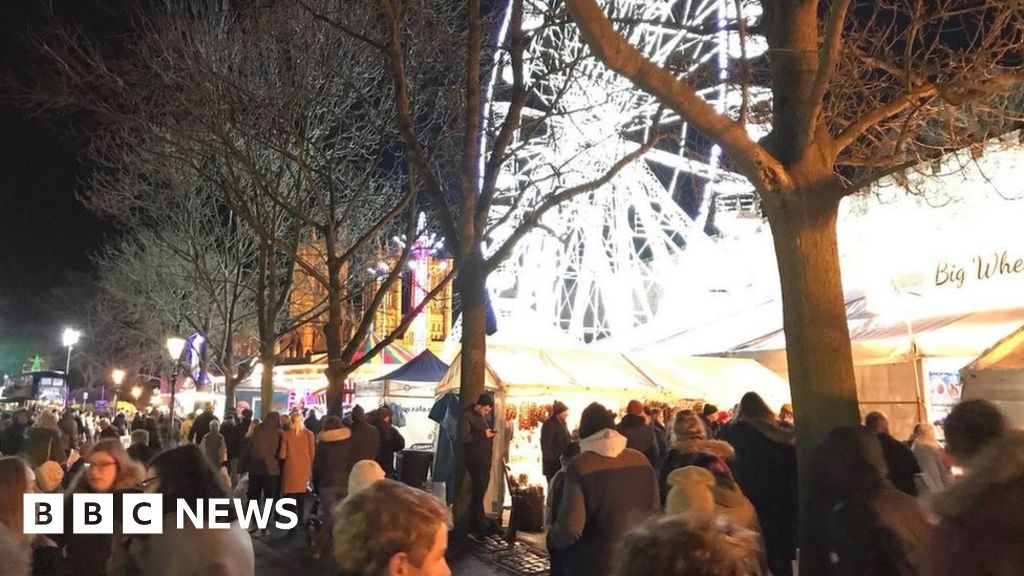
141	453
201	427
391	441
474	438
365	437
12	438
901	462
233	437
333	460
765	468
640	437
554	437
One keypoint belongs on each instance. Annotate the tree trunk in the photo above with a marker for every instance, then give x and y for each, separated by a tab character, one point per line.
334	336
821	373
267	358
474	347
230	384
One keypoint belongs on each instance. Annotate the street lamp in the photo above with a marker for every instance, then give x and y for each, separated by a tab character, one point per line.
136	392
117	375
175	347
69	337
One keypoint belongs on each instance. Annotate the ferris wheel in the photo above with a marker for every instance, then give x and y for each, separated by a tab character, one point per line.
611	261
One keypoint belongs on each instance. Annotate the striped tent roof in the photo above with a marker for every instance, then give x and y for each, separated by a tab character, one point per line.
391	354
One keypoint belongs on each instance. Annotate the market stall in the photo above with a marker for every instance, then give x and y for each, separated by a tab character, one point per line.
997	375
410	388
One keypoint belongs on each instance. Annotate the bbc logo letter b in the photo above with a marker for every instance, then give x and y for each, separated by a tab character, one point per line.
44	514
93	514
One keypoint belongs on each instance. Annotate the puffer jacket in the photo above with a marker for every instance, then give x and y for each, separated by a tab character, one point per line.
695	489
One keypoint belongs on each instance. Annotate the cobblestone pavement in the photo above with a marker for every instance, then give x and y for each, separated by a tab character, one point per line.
281	555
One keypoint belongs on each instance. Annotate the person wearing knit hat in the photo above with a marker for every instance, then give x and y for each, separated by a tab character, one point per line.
607	488
554	437
363	475
477	439
639	433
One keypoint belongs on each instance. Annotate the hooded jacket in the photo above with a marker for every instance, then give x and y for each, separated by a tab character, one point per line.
365	437
695	489
608	488
333	460
682	454
982	527
474	438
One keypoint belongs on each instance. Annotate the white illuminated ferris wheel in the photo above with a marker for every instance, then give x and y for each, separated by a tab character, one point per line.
613	260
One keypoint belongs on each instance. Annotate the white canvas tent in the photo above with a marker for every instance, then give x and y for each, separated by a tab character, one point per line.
898	359
523	376
997	375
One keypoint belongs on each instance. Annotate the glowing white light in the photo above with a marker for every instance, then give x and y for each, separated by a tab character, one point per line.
70	337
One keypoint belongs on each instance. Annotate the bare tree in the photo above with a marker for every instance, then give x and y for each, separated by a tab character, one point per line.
860	90
462	144
290	123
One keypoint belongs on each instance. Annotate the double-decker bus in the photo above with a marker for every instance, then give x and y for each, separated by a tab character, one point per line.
34	388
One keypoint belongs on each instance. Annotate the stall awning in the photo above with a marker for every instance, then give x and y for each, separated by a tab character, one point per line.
424	368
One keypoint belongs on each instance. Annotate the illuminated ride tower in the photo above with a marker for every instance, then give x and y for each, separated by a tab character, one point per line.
609	262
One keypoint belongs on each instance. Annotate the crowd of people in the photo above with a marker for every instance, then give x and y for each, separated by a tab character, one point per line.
719	495
705	495
281	456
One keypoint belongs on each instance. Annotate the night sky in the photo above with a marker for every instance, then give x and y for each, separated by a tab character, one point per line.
45	232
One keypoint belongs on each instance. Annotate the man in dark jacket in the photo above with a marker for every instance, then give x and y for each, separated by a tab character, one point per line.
12	438
639	435
607	489
312	422
902	463
391	440
554	437
477	439
201	426
365	437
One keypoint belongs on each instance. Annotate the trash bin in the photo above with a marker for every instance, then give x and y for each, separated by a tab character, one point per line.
414	466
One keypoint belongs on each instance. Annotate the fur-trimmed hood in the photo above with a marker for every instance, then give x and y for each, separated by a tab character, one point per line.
999	463
335	435
723	450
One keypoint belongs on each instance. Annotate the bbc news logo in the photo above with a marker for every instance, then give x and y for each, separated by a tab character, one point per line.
144	514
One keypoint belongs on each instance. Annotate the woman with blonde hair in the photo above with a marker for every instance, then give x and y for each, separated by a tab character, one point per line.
297	452
688	546
936	474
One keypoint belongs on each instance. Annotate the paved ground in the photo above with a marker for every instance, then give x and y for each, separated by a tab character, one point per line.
280	555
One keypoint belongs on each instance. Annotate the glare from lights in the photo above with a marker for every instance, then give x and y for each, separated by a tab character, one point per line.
175	346
70	337
117	375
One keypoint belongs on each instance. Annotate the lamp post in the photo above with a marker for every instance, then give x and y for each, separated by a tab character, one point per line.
117	375
175	346
69	338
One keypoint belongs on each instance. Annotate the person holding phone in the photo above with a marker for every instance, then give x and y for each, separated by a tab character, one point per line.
478	441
